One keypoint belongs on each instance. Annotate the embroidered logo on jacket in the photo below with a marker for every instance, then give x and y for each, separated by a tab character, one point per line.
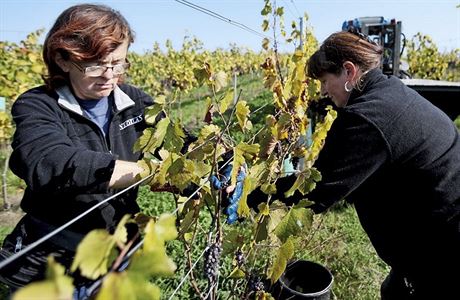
131	122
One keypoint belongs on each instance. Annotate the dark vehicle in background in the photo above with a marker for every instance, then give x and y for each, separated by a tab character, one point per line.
443	94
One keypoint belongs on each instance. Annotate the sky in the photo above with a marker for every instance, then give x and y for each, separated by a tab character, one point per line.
159	20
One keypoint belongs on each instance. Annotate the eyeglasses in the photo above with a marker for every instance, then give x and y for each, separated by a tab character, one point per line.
96	71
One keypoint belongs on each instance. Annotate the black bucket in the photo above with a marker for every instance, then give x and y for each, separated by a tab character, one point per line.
304	279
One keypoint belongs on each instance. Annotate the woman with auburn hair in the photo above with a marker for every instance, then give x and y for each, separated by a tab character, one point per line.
74	139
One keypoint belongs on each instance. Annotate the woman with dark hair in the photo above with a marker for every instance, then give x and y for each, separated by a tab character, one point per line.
74	139
396	157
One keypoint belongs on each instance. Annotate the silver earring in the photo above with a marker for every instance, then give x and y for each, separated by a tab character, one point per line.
347	88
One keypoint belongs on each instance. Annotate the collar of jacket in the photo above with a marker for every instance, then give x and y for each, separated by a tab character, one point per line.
68	101
368	80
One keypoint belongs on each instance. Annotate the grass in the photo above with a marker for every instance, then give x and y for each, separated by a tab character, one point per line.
339	243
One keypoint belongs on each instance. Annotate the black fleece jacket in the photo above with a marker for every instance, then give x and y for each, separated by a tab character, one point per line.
67	162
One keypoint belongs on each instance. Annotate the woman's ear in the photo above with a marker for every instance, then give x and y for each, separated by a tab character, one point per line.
62	63
350	69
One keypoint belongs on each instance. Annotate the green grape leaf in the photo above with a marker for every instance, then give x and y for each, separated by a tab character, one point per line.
181	173
160	132
294	223
56	285
262	229
233	239
283	255
187	222
174	138
151	113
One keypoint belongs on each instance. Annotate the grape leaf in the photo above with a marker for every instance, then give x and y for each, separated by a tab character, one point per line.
296	222
226	101
56	285
96	252
126	286
283	255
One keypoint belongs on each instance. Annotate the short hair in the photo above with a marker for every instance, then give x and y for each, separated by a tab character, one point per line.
84	32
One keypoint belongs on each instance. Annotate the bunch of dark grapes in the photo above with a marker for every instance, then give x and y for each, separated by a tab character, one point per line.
239	257
211	261
255	284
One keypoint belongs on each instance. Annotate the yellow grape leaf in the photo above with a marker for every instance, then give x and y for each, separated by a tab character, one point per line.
265	43
152	259
208	131
320	134
166	227
149	167
125	286
219	80
202	74
283	255
242	114
237	273
277	212
161	100
265	25
160	178
56	285
94	254
305	182
243	208
121	234
268	188
240	152
226	101
160	132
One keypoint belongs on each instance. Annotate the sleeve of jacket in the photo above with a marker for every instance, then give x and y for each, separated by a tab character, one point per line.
354	149
45	156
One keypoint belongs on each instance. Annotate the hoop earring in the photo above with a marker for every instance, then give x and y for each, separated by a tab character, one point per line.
347	89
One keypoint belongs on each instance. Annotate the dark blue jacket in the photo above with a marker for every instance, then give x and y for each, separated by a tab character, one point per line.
67	162
397	158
